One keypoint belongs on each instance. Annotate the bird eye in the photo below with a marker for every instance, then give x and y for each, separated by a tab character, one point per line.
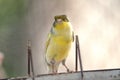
64	20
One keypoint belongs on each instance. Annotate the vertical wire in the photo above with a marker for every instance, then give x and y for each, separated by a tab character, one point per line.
79	55
30	61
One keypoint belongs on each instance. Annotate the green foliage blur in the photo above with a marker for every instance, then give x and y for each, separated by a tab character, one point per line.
11	9
12	33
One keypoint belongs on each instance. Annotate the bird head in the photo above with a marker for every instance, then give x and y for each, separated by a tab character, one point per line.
60	18
60	22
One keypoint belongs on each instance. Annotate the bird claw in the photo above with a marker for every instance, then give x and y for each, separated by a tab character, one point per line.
69	71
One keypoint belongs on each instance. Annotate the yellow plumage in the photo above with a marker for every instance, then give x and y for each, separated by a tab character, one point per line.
58	43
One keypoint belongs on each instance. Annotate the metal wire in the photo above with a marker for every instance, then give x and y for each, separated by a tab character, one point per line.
30	61
78	55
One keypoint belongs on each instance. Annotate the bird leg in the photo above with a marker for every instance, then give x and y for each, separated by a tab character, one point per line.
53	66
63	63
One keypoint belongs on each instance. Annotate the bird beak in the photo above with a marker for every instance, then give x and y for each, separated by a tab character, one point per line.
59	20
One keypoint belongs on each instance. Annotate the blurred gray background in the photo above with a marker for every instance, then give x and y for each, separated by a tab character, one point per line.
95	21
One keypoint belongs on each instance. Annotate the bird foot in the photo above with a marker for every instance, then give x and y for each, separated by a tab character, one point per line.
69	71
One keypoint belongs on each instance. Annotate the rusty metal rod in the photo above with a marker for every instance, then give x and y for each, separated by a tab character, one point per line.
79	55
28	64
76	56
30	61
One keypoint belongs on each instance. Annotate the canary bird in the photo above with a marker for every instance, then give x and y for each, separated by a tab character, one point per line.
58	43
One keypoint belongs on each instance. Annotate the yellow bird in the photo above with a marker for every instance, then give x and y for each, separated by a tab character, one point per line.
58	43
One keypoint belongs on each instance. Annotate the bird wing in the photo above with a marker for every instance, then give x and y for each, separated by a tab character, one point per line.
49	37
72	36
48	41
